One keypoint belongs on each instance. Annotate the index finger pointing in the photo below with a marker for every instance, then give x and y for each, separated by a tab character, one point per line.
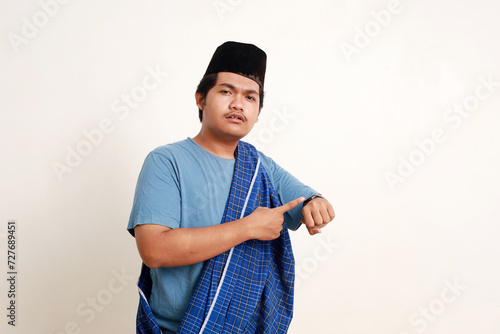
290	205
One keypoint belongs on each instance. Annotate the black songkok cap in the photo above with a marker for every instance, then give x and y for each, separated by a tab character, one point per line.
240	58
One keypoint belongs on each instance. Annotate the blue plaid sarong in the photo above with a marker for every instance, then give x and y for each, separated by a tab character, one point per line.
248	289
146	322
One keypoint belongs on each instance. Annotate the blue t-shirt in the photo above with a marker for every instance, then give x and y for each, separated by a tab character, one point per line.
183	185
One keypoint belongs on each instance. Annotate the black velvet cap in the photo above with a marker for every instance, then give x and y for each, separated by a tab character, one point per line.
240	58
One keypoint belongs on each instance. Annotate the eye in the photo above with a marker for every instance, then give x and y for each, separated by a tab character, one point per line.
251	98
224	91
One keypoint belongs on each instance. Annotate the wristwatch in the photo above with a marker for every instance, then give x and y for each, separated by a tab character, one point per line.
311	198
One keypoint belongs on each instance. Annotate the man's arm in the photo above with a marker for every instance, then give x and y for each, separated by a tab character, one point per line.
161	246
316	214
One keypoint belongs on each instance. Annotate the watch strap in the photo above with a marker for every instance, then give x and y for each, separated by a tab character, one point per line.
311	198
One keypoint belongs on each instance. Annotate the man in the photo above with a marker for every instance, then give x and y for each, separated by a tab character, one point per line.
200	275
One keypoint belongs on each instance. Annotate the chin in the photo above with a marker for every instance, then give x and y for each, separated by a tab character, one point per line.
234	135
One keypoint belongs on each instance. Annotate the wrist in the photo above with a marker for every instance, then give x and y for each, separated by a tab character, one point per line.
246	230
311	198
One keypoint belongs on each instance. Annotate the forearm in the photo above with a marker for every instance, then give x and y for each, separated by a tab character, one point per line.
185	246
160	246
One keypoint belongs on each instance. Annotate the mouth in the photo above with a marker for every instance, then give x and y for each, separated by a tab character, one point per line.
235	117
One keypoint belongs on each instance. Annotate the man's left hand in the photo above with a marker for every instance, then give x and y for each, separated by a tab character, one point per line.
317	214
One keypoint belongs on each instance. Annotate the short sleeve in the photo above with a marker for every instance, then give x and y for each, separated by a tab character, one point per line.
157	195
288	188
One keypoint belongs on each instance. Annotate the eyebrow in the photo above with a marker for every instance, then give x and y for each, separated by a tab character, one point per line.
248	91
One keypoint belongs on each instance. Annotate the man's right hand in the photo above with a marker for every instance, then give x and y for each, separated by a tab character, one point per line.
265	223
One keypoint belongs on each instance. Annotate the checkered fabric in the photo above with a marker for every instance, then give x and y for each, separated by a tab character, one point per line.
248	289
146	323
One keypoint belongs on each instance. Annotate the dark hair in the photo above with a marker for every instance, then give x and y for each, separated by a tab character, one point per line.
209	81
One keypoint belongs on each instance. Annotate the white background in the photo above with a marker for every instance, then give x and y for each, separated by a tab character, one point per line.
352	88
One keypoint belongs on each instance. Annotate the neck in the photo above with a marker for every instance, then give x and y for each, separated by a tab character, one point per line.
223	148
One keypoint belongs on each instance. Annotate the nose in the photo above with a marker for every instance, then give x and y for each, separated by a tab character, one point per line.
237	103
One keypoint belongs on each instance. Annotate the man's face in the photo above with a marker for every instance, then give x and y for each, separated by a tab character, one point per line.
231	107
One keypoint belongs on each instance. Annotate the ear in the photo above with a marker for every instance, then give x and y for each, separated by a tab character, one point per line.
200	101
257	119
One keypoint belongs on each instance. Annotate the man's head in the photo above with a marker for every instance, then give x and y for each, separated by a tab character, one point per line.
243	59
230	108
